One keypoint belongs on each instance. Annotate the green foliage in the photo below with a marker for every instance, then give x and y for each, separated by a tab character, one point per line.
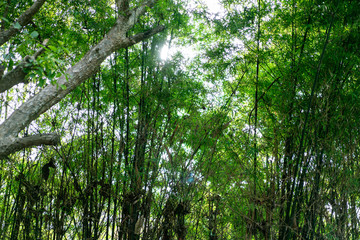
255	136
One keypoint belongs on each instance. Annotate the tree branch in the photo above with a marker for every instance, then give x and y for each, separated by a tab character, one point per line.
73	77
144	35
18	74
23	20
30	141
139	11
2	69
122	6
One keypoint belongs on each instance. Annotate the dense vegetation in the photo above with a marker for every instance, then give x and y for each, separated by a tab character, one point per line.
248	129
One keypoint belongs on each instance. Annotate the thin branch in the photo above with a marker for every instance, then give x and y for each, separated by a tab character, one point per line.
144	35
299	173
18	75
23	20
263	94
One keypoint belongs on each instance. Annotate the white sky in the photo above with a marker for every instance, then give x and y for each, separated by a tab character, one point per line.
213	5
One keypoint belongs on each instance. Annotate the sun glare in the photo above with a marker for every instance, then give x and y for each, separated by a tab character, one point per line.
164	52
213	7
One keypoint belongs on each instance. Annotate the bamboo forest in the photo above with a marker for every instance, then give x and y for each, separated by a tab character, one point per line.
179	119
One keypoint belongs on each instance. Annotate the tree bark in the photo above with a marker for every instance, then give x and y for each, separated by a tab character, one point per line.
73	77
18	74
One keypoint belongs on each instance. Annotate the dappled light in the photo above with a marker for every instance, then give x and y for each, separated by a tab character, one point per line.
158	120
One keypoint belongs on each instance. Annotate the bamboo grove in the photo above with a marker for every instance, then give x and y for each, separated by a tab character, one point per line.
248	129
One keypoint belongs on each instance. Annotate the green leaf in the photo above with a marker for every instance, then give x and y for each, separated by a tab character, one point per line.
63	87
53	48
39	71
41	82
4	19
32	75
34	34
17	25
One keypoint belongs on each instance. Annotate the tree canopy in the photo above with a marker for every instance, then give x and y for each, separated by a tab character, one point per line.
173	119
